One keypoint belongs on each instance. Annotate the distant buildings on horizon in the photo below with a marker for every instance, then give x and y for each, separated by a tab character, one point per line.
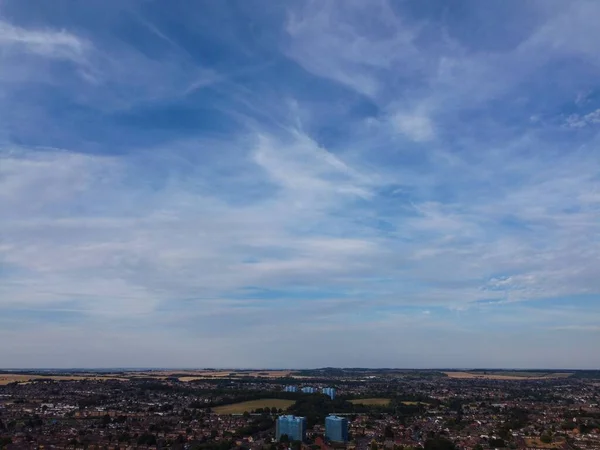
329	391
311	390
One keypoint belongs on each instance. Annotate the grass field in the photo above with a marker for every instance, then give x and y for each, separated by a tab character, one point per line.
371	401
415	403
508	375
240	408
7	378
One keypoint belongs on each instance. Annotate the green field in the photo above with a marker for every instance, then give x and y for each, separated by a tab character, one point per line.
371	401
529	374
242	407
508	375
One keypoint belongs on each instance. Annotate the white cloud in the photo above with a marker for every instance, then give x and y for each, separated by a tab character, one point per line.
305	169
328	38
581	121
43	42
72	217
417	127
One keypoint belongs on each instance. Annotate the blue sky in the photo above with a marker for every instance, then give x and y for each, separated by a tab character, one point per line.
299	184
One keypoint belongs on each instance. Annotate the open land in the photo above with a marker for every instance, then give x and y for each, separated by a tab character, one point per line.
191	375
182	375
508	375
201	375
7	378
371	401
535	442
242	407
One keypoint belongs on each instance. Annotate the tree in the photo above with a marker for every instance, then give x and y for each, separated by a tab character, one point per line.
439	443
147	439
388	433
497	443
546	438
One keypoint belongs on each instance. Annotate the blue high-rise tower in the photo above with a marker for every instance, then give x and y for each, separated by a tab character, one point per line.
336	429
329	391
292	426
308	390
290	389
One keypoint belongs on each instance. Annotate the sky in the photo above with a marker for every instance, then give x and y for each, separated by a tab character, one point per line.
300	184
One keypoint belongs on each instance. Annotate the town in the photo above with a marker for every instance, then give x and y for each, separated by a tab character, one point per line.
323	409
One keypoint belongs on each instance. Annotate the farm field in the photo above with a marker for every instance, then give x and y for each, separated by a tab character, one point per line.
7	378
183	375
415	403
508	375
190	375
242	407
371	401
535	442
233	374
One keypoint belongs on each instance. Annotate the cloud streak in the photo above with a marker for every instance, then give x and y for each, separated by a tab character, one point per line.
46	43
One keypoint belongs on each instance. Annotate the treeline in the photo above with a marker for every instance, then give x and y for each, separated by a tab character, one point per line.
220	398
334	372
397	397
316	407
586	374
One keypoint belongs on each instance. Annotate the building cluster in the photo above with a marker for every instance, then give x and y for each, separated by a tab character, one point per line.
383	412
293	428
329	391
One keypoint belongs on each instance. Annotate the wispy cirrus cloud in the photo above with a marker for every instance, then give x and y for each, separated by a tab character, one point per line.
46	43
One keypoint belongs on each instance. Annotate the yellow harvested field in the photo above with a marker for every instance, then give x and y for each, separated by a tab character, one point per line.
186	379
242	407
201	375
371	401
7	378
499	376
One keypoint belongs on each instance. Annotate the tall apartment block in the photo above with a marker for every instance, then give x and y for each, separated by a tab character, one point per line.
308	390
292	426
336	428
329	391
290	389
